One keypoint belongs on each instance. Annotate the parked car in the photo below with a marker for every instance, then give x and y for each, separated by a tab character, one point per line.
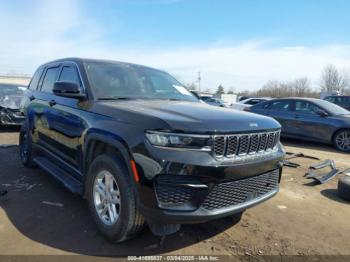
310	119
243	98
213	101
343	101
254	100
141	148
11	97
246	103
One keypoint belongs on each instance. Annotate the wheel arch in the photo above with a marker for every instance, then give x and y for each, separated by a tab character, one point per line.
338	130
97	143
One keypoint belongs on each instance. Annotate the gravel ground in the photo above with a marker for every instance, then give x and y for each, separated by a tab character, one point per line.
304	219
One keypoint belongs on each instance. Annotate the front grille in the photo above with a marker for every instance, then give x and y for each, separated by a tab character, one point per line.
228	194
238	145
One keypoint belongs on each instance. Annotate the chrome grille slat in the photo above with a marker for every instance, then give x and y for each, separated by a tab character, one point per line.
241	145
232	146
219	145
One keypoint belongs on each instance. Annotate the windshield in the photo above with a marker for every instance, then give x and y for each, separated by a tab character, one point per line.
6	90
332	108
121	81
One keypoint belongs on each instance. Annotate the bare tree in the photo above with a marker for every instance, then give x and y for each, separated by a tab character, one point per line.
346	76
332	80
301	87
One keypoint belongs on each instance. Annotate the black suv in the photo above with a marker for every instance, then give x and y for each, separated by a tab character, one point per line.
141	148
343	101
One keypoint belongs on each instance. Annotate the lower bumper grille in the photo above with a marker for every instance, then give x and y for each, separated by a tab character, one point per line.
237	192
169	196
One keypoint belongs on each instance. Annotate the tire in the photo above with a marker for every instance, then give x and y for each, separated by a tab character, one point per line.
344	188
25	147
116	217
341	140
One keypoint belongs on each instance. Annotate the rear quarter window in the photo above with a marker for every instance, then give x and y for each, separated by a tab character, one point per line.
33	85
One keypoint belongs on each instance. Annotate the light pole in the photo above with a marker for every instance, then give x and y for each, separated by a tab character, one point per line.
199	82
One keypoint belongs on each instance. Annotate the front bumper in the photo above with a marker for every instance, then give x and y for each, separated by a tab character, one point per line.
211	203
183	193
11	117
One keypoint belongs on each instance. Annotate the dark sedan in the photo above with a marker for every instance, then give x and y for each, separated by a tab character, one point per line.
310	119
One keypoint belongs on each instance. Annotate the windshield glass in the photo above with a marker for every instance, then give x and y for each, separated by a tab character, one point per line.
6	90
113	81
333	108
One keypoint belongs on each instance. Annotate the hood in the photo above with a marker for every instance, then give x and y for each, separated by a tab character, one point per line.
195	117
11	101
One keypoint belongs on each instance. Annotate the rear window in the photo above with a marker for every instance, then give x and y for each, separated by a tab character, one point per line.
6	90
281	105
35	79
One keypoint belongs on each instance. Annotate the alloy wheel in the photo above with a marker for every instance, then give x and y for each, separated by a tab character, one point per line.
343	140
106	196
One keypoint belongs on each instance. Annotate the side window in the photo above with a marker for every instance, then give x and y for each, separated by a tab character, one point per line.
35	79
281	105
304	107
49	79
69	74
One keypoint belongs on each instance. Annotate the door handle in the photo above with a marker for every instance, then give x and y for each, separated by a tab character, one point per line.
31	98
52	102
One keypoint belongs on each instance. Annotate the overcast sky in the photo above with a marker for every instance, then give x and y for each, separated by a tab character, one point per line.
237	43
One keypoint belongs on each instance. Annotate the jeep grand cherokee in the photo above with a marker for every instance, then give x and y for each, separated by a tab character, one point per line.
142	149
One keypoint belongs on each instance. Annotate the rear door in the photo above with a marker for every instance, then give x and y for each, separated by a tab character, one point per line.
282	111
66	121
41	109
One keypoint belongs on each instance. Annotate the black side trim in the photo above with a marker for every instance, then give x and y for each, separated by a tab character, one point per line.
67	180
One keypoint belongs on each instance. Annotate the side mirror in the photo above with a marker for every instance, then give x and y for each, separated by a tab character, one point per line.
68	89
322	113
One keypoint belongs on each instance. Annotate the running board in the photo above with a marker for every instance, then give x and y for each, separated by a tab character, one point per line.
58	173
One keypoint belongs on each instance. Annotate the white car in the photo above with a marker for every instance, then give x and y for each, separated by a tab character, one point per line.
241	105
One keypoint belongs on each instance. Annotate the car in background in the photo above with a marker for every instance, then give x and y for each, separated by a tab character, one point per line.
309	119
243	98
214	101
11	98
254	100
246	103
343	101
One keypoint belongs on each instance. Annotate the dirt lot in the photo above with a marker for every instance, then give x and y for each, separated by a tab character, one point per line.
303	219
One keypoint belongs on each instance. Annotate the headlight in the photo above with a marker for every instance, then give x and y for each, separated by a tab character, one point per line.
182	141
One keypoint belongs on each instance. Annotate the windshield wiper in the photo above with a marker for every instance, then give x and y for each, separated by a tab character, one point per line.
115	98
176	99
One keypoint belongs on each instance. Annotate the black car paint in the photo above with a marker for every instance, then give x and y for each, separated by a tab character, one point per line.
313	127
65	130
